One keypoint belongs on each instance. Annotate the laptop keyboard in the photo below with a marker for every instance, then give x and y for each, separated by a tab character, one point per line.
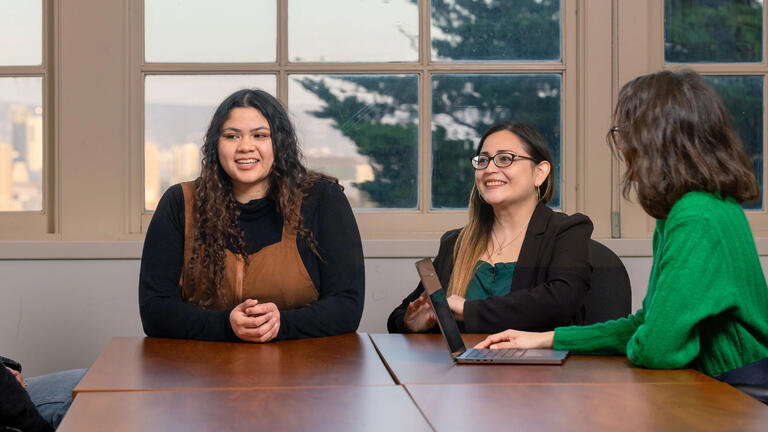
475	353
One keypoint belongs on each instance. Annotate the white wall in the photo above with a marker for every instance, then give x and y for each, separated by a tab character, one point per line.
60	314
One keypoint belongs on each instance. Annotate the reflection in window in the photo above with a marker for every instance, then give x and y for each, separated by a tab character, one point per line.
362	129
465	106
359	31
495	30
743	99
21	144
713	31
177	111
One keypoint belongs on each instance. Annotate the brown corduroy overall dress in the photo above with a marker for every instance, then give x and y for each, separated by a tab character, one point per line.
274	274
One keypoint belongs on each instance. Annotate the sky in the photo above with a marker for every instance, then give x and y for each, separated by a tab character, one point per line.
245	30
21	32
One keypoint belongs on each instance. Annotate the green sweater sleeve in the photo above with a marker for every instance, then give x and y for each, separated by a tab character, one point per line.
606	338
683	292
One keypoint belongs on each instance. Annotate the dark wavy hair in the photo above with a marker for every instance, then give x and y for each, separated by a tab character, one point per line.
675	137
215	210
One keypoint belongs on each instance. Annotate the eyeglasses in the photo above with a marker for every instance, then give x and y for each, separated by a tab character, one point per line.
614	136
615	141
501	160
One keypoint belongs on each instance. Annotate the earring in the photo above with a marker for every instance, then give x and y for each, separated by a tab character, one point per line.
538	192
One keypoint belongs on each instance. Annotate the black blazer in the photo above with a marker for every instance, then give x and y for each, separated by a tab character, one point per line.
550	282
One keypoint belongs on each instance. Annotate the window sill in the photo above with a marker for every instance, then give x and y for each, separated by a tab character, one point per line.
419	248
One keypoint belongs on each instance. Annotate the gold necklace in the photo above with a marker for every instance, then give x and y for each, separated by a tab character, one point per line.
499	246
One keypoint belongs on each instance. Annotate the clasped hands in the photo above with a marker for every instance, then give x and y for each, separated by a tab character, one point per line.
255	322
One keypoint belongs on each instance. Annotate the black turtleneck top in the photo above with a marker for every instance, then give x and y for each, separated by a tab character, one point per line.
339	278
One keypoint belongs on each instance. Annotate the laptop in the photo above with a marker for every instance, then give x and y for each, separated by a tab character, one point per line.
450	330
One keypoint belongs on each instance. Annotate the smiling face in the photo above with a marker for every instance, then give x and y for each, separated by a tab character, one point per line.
513	184
246	154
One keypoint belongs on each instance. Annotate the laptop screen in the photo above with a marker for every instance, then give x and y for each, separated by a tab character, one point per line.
440	304
446	321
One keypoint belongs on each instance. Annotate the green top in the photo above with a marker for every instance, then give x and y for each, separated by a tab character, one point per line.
707	300
490	280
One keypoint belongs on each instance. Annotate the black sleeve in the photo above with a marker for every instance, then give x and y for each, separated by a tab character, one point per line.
443	263
16	409
550	304
163	312
341	287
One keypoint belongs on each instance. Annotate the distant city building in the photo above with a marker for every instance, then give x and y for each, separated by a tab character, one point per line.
34	148
186	162
6	184
19	115
19	173
21	161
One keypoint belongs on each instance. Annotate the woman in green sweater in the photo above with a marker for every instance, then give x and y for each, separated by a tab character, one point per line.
707	300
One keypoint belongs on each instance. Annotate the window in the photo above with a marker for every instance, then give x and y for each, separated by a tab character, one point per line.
722	40
724	33
390	97
24	173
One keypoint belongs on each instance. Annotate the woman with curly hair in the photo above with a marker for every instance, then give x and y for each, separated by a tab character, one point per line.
707	302
258	248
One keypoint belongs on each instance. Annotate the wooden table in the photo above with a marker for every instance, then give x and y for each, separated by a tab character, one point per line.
585	393
692	406
131	363
342	383
365	408
425	359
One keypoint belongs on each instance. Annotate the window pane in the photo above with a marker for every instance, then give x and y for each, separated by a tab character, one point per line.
362	129
743	99
713	31
495	30
359	31
21	32
21	144
465	106
197	31
177	111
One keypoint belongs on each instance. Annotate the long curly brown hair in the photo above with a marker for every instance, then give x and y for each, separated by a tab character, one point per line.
215	210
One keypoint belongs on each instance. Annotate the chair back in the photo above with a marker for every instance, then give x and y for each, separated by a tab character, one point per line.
610	295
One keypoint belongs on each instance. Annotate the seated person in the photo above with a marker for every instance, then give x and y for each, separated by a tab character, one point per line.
516	263
707	302
37	403
258	248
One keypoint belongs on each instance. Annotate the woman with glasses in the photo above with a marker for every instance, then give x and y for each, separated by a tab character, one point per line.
707	300
516	263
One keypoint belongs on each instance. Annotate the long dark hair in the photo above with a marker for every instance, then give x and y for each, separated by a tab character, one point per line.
215	210
676	137
473	238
